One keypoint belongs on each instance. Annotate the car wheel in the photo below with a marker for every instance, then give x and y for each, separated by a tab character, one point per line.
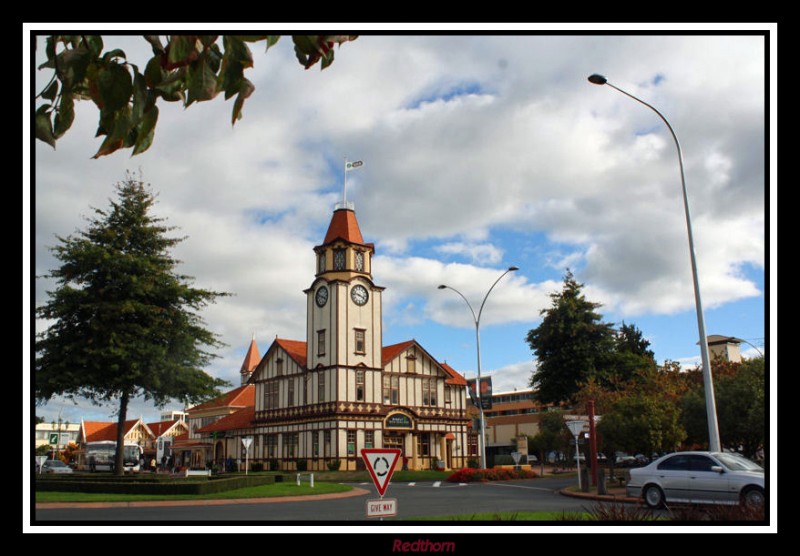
753	496
653	496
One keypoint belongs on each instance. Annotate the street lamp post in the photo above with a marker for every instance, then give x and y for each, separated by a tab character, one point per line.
711	407
477	320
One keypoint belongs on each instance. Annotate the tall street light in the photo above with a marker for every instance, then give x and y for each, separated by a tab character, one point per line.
708	383
477	319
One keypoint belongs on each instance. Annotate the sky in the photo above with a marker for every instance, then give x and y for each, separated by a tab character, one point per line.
481	151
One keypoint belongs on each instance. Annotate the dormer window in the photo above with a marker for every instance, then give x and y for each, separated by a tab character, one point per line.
360	261
322	262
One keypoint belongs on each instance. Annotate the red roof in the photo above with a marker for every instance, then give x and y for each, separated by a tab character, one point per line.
251	359
94	431
455	376
238	397
242	419
295	349
344	226
390	352
161	427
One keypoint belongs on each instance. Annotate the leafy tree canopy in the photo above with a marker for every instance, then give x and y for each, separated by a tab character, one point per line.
571	344
183	68
123	322
739	391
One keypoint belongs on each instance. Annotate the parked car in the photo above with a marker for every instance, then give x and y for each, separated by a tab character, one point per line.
55	466
621	459
698	477
531	459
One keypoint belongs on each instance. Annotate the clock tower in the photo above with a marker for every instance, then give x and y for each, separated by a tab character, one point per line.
344	306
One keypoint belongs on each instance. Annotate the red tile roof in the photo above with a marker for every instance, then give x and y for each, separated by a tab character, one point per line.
455	376
344	226
161	427
390	352
251	359
101	430
295	349
238	397
242	419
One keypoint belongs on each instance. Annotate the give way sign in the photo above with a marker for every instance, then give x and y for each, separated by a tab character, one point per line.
380	464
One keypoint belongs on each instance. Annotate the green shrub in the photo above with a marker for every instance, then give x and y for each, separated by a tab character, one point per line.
302	465
257	467
274	465
334	465
472	463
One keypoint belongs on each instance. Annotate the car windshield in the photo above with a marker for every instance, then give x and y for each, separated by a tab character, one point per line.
56	463
738	463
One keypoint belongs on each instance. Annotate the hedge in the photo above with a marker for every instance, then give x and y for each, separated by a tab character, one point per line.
176	486
468	475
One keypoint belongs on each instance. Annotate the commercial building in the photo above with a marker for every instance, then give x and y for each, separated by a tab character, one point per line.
322	400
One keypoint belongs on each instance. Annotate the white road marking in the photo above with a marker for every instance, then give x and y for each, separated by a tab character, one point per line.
437	483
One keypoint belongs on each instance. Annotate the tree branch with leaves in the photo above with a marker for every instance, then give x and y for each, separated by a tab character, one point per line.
183	68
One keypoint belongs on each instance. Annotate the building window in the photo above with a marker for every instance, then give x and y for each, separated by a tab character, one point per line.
360	386
369	439
290	443
424	444
320	342
472	444
447	394
271	395
326	438
361	343
391	389
320	387
434	391
322	262
271	446
428	391
315	444
411	363
279	366
290	396
305	380
351	443
338	259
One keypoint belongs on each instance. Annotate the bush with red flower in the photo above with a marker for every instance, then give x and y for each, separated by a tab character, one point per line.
471	475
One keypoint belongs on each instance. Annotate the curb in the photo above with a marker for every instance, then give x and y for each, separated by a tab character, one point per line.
600	497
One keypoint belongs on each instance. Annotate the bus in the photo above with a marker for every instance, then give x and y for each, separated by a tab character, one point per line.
99	456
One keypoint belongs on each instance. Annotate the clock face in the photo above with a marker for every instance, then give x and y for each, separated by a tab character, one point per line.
359	261
359	295
322	296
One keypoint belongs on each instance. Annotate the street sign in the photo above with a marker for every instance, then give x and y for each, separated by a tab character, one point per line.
246	441
516	456
53	438
380	464
385	507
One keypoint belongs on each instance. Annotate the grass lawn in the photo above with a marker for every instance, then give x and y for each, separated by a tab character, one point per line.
262	491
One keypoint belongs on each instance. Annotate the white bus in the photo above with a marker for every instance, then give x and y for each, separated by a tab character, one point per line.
99	456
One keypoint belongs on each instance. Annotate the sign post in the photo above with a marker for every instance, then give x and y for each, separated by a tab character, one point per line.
381	463
246	441
575	427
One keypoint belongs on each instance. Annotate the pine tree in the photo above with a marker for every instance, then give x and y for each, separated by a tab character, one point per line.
123	322
571	344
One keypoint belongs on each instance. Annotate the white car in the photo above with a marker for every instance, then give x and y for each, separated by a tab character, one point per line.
55	466
698	478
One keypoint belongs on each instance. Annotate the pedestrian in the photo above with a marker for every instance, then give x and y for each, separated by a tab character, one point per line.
153	464
164	462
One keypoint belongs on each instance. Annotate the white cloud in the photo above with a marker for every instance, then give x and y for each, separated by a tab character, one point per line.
466	139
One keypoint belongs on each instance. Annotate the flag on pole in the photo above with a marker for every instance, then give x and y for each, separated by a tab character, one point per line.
353	165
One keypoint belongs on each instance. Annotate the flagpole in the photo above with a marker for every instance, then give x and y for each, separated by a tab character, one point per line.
344	187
